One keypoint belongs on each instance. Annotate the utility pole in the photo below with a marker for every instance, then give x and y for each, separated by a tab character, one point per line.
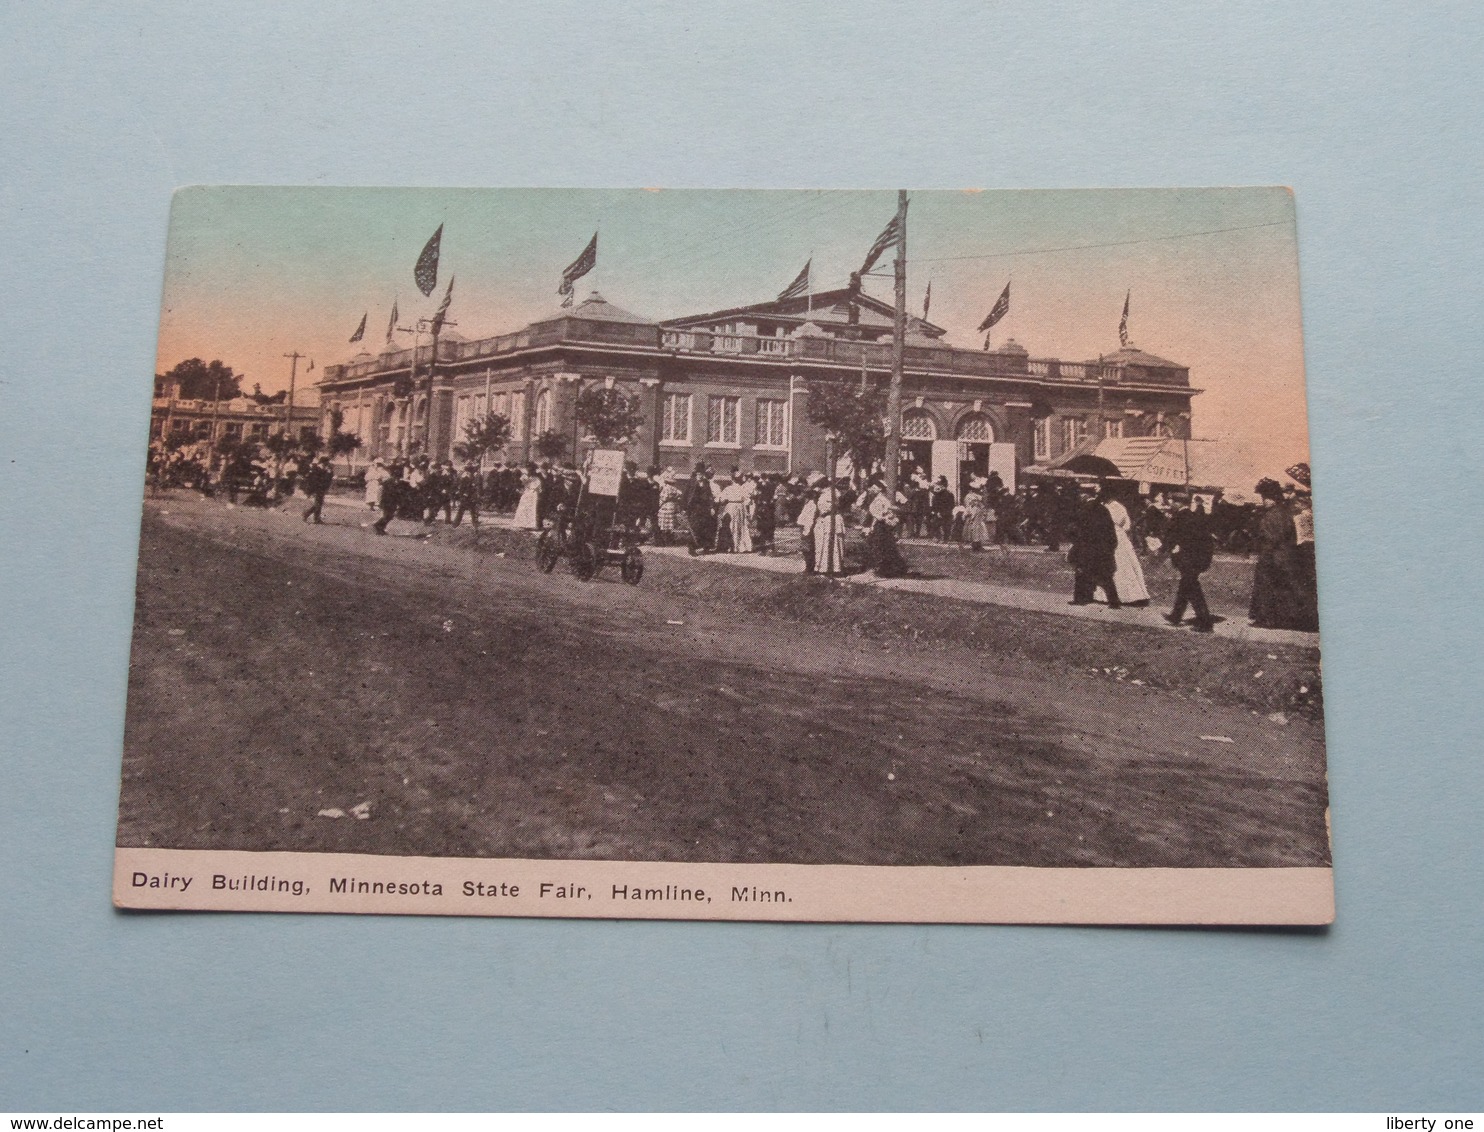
898	345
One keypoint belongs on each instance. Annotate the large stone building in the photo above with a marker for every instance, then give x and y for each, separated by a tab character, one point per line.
732	387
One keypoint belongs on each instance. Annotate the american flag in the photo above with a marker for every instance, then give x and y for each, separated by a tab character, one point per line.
442	312
799	286
887	239
360	330
391	323
425	274
1123	322
577	269
1000	309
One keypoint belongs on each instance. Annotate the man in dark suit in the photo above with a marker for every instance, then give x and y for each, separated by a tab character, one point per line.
316	482
1191	542
1094	541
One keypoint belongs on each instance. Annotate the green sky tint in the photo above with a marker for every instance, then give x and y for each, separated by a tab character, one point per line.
255	272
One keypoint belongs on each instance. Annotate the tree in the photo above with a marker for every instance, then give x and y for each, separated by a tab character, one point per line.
856	413
280	444
341	443
550	445
203	381
610	416
483	437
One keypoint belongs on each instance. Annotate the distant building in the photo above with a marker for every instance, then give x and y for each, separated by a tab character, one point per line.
243	417
731	388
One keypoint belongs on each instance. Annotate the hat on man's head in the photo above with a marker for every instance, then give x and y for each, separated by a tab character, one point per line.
1268	488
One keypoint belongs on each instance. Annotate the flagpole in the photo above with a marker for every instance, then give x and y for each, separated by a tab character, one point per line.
288	412
898	345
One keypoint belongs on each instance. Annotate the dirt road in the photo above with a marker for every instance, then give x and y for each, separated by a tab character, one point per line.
479	708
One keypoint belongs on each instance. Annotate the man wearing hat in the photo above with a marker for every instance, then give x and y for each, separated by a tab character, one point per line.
392	490
1190	543
466	491
317	482
1094	544
700	511
940	510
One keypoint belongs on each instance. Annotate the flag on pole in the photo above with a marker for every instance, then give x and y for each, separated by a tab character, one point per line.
927	300
799	286
577	269
360	330
887	239
442	312
1123	322
425	274
311	366
1000	309
391	323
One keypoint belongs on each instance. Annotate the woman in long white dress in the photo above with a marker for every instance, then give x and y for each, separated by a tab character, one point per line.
829	553
376	475
734	500
529	507
1128	575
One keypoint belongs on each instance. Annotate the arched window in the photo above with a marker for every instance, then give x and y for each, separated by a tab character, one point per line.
918	425
543	411
976	429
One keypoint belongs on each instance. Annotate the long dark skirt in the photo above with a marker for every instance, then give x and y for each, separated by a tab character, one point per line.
881	549
702	522
1282	596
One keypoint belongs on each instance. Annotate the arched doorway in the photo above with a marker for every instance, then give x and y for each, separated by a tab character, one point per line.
975	434
918	433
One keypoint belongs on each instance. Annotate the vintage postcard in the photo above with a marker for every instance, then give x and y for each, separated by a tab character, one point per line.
794	555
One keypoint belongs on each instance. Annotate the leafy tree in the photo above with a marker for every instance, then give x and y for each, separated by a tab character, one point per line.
550	445
856	413
483	437
204	381
341	443
610	416
280	444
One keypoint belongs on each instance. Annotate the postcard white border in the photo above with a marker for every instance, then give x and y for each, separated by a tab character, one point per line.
231	880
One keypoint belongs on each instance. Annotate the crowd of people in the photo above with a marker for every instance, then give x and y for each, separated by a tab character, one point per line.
1107	526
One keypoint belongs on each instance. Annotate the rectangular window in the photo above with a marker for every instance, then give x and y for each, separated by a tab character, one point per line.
1043	439
722	415
771	430
1112	429
1073	433
675	422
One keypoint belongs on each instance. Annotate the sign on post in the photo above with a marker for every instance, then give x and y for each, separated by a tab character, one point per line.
604	471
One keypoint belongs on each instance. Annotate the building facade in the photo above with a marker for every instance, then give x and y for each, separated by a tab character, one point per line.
731	388
190	421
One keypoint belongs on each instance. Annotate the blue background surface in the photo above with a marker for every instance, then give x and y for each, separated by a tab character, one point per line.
1370	111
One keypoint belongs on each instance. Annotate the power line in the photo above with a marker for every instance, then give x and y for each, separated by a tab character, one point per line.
1112	244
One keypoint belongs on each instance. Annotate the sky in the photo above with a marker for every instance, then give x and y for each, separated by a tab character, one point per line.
254	273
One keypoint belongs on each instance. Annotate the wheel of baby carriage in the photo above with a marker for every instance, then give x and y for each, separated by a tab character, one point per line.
631	567
584	561
547	552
